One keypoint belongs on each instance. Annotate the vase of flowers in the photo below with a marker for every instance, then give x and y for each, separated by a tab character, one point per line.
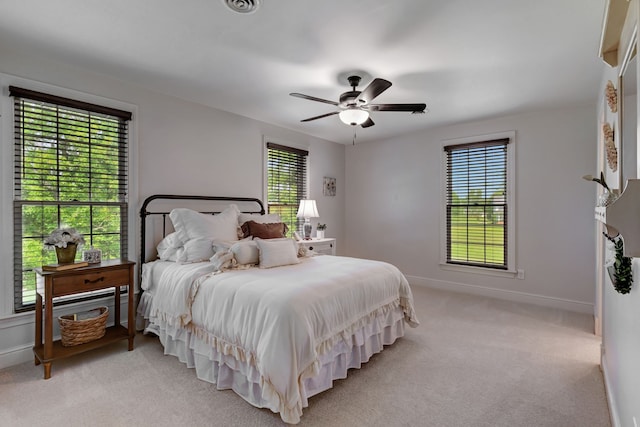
320	230
621	271
65	241
608	196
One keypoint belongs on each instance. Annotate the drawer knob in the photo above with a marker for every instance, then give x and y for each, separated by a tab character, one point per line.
99	279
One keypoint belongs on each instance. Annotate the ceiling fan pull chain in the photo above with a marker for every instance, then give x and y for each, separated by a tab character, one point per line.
354	136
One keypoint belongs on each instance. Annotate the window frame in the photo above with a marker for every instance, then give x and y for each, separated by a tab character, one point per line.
294	147
511	270
99	105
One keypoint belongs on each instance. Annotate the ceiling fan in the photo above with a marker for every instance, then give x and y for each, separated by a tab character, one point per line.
354	106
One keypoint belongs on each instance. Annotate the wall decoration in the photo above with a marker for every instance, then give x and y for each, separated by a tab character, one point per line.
329	188
610	147
609	139
611	95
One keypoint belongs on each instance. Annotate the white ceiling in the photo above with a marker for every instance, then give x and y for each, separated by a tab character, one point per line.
466	59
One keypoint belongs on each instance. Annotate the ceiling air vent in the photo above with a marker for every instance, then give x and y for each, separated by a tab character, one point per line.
242	6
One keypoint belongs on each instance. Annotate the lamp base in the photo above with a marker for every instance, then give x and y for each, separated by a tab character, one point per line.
306	228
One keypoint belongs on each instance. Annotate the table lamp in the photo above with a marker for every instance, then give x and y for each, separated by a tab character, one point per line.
307	210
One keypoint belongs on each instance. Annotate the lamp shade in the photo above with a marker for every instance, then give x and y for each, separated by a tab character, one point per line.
307	209
353	116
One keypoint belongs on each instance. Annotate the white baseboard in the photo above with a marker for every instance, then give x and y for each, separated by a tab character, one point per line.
564	304
613	413
16	356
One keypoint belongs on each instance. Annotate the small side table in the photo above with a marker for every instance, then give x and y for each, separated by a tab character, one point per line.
108	274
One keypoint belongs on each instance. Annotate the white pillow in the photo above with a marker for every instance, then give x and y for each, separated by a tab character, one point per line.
195	250
246	252
261	219
190	224
276	252
170	254
168	247
225	245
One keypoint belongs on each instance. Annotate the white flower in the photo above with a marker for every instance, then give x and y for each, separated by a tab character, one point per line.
61	237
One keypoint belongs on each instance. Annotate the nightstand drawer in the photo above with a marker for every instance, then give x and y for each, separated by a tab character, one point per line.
324	249
326	246
70	284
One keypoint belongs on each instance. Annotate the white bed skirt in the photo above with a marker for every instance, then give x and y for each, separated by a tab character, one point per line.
228	372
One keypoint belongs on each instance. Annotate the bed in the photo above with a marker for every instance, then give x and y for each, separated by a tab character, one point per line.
253	312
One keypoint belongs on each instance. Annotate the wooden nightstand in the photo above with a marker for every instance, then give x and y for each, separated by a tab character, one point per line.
108	274
326	246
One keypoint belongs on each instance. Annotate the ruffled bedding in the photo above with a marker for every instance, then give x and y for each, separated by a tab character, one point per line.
281	329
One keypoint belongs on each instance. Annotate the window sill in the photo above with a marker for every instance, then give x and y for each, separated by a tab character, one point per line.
510	274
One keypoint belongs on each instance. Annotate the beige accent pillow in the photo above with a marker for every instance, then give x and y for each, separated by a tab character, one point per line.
246	252
276	253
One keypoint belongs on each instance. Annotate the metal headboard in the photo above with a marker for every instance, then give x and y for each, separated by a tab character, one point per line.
145	212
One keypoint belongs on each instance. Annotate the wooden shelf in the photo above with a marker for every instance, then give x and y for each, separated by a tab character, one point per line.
624	216
615	13
112	334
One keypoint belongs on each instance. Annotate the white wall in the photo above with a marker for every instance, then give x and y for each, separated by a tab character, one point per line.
181	148
393	208
621	313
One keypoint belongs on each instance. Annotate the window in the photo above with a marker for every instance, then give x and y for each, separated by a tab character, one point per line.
286	182
478	204
70	170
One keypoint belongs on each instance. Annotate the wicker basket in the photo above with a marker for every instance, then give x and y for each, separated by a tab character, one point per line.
92	326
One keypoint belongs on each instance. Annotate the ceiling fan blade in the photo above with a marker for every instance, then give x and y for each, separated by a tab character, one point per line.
320	117
313	98
375	88
413	108
368	123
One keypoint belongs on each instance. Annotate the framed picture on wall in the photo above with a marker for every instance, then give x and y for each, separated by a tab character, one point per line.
329	186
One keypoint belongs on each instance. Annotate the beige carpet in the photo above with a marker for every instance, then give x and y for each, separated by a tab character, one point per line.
474	361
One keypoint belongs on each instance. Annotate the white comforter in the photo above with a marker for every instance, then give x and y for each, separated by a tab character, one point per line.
281	320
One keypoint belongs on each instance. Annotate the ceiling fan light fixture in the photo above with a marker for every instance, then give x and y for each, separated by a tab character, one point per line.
353	116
